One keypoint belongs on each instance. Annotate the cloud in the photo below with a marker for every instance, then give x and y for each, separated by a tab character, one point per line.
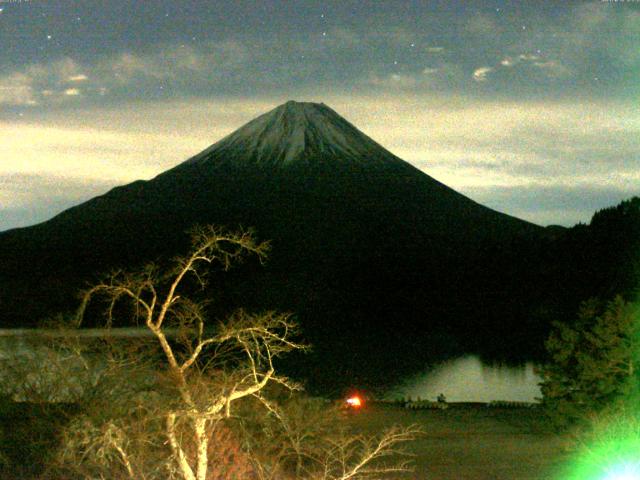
16	89
553	69
78	78
574	45
24	190
429	79
480	74
345	38
490	146
51	82
347	57
91	153
39	84
481	25
394	34
602	41
32	198
550	69
559	55
545	205
394	80
176	62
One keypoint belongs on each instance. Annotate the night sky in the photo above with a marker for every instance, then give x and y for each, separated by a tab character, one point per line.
530	108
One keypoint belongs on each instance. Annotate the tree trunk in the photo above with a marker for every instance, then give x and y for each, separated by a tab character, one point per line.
178	453
200	425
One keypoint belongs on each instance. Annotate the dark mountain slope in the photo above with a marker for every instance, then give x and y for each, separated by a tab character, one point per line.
385	266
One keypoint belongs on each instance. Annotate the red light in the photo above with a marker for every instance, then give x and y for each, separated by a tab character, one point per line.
354	402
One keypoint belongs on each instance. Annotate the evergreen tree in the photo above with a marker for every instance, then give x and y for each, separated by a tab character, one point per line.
593	362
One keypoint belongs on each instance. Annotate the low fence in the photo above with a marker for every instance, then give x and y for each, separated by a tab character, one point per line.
435	405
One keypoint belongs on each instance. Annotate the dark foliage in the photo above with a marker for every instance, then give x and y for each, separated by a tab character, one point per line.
29	436
593	362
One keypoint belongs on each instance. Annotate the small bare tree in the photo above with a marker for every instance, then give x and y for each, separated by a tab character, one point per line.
361	457
165	412
314	440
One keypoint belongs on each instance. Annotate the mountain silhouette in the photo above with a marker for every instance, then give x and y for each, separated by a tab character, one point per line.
385	267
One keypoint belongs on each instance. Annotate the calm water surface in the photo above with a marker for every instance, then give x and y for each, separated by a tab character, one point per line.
467	379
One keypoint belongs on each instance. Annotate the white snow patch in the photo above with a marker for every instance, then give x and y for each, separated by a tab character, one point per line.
297	130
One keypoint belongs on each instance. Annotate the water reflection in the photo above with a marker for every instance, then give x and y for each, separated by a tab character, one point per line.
467	379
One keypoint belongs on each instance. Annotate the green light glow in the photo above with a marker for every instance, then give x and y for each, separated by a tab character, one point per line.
611	462
611	452
625	471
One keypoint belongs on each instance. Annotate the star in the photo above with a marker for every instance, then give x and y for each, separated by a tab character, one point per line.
413	45
524	27
498	10
1	10
49	37
322	15
324	34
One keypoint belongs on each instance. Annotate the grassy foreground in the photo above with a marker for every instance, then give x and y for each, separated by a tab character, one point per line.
473	442
460	443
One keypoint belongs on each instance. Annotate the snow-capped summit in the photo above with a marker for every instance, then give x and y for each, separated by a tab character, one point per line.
292	132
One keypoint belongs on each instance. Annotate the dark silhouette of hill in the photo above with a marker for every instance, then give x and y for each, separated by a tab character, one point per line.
385	267
601	259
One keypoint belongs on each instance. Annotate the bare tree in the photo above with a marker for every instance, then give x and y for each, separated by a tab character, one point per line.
165	410
249	343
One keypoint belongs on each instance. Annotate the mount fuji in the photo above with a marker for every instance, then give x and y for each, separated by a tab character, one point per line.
385	267
296	132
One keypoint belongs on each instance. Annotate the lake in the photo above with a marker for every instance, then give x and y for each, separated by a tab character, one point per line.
468	379
464	379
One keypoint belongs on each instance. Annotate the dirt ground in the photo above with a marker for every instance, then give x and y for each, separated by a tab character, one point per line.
473	442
